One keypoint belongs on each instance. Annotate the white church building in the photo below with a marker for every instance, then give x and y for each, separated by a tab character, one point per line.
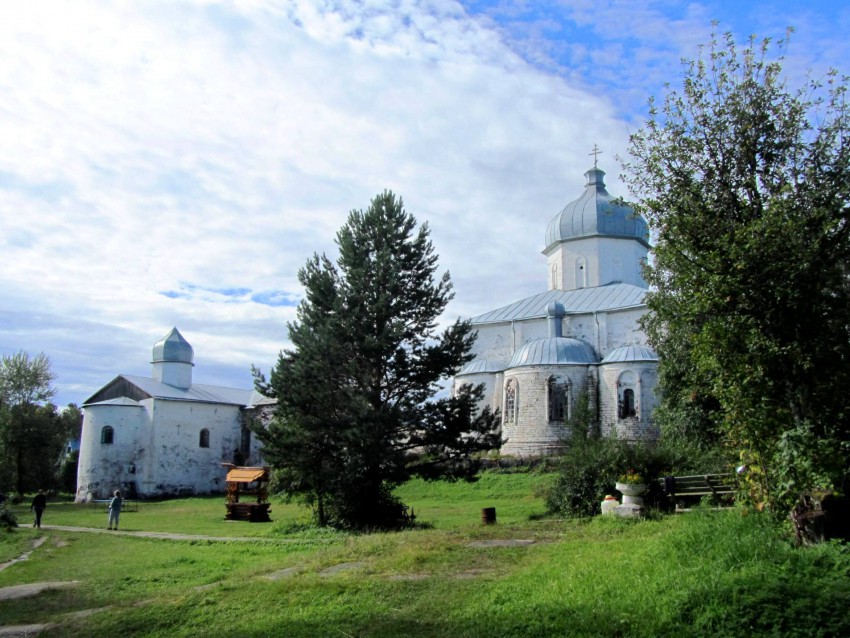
538	355
165	435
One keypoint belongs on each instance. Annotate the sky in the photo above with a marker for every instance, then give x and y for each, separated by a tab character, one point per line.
174	163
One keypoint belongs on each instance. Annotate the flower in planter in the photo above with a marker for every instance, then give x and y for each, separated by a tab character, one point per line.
631	478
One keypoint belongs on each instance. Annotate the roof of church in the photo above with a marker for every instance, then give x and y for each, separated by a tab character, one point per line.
595	214
481	365
140	388
173	347
609	297
553	351
630	353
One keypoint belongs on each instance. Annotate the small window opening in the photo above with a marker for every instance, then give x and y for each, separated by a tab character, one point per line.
204	439
107	435
558	409
627	404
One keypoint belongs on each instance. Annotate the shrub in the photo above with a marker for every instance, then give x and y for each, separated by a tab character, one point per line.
591	467
8	520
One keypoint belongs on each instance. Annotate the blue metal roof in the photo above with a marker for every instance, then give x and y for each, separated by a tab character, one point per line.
594	214
583	300
200	393
630	353
481	365
554	351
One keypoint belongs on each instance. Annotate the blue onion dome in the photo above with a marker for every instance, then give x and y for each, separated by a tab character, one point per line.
594	214
628	354
173	348
479	366
554	351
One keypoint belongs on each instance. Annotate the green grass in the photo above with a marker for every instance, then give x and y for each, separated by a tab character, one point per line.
702	574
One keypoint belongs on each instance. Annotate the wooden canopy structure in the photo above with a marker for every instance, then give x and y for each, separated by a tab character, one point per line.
247	481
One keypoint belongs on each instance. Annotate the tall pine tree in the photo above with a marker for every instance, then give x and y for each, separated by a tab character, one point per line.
357	412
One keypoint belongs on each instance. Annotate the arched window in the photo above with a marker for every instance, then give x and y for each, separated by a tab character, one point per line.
107	435
581	272
510	401
627	404
204	439
558	400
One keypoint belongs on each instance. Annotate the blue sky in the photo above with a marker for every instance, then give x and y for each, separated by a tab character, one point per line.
175	163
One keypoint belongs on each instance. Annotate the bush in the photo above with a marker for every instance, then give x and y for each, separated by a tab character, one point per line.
590	469
8	520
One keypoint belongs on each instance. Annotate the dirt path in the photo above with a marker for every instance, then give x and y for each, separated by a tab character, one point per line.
175	537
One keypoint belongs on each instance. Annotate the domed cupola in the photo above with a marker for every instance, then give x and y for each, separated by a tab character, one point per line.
172	360
594	214
556	349
594	241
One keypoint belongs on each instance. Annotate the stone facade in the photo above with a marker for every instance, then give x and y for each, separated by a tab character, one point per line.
536	357
164	435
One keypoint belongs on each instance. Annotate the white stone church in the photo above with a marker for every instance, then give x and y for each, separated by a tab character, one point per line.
538	355
165	435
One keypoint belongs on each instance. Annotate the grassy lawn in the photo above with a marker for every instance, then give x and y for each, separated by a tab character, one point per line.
703	574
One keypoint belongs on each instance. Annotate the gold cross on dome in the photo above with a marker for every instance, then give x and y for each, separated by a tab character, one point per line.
595	152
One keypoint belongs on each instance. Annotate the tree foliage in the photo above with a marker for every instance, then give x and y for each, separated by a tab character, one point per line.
356	412
33	433
746	184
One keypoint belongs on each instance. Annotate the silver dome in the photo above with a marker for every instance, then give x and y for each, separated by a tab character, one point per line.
593	214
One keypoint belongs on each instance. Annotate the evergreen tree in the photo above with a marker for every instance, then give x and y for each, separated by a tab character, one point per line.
746	184
357	412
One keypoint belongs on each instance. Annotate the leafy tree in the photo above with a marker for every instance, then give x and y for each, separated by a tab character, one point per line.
746	184
357	412
33	434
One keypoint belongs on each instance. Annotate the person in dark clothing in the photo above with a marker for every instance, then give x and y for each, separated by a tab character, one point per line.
39	503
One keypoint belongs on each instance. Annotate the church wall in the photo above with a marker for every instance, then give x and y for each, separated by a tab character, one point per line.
620	260
595	261
614	378
105	467
623	329
530	433
177	463
261	415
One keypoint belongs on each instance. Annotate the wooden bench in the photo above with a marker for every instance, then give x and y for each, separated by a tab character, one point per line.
684	490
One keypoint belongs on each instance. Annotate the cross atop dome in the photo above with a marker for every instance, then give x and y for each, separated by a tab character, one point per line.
595	152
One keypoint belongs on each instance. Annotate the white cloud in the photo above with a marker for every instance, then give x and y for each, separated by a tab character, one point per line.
175	163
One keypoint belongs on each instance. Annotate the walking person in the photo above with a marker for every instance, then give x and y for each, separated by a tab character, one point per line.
114	510
39	503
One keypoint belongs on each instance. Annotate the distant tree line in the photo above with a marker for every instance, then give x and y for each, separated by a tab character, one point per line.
34	433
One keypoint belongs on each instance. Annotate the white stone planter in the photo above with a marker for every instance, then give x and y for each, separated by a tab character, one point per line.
631	493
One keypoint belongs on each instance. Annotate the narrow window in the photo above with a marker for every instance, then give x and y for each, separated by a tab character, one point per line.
204	439
581	272
510	401
627	405
107	435
557	400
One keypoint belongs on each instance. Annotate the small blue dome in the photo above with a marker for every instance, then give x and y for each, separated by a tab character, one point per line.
174	348
554	351
626	354
593	214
